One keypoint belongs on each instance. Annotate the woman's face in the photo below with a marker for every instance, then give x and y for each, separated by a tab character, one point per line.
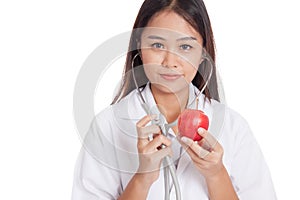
171	51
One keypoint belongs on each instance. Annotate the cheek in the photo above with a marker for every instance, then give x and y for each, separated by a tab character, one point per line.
149	57
190	73
191	68
150	71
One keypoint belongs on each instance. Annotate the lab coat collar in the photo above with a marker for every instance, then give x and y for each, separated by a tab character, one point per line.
130	106
193	93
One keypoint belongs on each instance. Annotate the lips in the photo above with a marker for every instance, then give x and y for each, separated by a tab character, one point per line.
171	77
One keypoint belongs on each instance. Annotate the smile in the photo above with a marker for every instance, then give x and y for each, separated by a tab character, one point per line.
171	77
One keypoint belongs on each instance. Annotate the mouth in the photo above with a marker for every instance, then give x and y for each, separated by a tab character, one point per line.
171	77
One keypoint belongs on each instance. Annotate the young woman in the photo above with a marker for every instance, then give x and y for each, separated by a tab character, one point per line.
172	53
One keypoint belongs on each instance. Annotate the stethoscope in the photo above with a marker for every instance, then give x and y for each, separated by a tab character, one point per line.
164	126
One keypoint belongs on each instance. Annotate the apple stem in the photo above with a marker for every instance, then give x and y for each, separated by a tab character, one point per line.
197	102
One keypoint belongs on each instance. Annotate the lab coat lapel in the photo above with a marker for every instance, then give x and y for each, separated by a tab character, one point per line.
150	101
184	161
129	110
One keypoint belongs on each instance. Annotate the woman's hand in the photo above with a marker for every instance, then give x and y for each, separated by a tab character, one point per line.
206	154
150	152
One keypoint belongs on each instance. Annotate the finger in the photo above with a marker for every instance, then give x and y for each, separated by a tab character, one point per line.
185	145
163	153
209	138
145	120
157	142
195	158
144	132
204	144
152	161
200	151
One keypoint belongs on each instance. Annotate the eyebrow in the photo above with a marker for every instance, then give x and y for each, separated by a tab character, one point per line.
186	38
155	37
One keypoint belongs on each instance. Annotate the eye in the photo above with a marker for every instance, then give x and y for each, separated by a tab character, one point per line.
186	47
157	45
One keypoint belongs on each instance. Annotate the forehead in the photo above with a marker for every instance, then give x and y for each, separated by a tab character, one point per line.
170	24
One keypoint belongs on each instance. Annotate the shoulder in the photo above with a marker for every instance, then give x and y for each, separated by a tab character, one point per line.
120	109
235	119
229	125
119	117
230	117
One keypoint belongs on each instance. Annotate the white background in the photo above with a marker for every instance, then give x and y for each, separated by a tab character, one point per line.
43	45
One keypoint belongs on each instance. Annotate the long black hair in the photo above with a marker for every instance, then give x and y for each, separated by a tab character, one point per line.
195	13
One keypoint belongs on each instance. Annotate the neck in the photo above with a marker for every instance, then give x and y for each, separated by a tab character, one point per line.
169	103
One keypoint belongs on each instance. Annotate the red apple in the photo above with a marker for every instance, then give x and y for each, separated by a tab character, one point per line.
189	121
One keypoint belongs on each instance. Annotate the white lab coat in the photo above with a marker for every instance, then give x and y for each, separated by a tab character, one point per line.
109	155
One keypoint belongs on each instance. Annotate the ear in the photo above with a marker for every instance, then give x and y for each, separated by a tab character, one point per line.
138	46
202	59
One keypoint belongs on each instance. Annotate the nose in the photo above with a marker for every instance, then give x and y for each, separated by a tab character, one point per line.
170	60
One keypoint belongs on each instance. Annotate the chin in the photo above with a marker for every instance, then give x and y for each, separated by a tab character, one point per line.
171	88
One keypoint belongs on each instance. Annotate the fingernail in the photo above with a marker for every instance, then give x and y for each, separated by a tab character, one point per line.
184	139
201	130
